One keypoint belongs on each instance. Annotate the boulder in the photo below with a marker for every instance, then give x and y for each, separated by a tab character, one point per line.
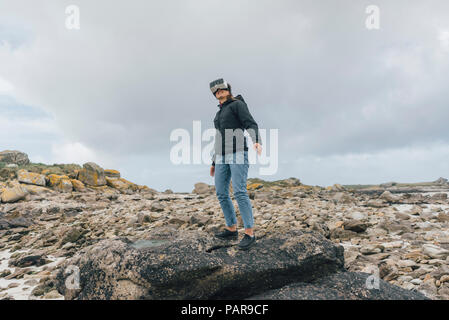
441	181
343	197
77	185
202	188
112	173
92	174
64	185
341	286
19	222
389	197
31	178
434	251
53	179
121	184
14	156
13	194
195	265
355	225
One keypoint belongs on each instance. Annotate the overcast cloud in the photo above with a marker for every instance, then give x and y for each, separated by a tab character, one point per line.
352	105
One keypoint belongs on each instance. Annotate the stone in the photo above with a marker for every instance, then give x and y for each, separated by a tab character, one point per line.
202	188
64	185
338	233
434	251
54	294
92	174
343	197
14	194
341	286
355	225
14	156
31	178
389	197
111	173
28	261
415	210
376	203
120	184
196	265
77	185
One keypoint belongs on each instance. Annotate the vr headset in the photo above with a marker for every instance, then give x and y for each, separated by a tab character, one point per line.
217	85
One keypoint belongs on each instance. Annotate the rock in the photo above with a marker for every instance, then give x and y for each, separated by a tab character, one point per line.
434	251
203	188
402	215
292	181
120	184
36	190
371	249
111	173
19	222
157	207
254	186
31	178
441	181
14	194
28	261
64	185
342	197
388	184
54	294
415	210
439	196
72	236
389	197
341	286
53	179
342	234
355	225
92	174
14	156
77	185
396	227
376	203
195	265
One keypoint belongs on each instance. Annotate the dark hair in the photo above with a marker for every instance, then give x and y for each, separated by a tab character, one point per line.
230	92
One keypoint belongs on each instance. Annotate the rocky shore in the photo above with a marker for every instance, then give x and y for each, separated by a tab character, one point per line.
130	241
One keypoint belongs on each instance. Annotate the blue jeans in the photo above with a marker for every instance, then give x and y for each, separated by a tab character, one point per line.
233	166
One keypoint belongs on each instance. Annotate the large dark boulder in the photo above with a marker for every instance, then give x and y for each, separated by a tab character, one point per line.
173	264
341	286
195	265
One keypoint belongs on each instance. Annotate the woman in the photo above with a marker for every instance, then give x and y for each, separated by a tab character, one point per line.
230	160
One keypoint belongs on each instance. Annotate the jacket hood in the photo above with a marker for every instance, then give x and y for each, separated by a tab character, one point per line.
240	98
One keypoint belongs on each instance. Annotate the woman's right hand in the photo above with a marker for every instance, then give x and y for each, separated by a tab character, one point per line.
212	171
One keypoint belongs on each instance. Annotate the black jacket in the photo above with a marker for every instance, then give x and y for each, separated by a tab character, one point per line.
233	114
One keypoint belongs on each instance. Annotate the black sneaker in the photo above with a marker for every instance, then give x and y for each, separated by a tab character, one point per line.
228	235
247	242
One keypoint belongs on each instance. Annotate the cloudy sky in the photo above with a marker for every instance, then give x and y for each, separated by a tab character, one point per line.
351	105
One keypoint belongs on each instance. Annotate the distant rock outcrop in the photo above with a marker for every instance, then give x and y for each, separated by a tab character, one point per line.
14	157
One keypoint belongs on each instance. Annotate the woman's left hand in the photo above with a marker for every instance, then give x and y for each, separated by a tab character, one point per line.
258	148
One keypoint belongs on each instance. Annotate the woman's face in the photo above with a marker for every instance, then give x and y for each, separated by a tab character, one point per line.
221	93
